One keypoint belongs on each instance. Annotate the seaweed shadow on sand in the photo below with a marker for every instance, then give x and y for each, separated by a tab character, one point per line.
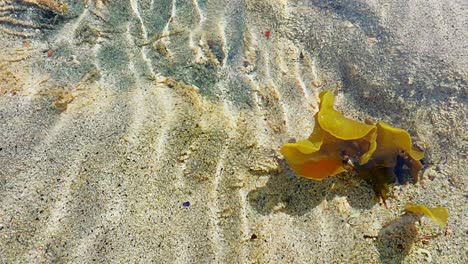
295	195
396	238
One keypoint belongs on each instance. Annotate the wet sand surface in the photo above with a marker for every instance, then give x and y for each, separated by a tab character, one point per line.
149	131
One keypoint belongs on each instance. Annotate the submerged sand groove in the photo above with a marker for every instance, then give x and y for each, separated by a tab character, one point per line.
122	112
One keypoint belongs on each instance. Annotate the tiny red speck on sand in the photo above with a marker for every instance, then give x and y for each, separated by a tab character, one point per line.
267	34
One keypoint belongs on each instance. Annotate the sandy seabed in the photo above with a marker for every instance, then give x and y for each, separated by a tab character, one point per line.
149	131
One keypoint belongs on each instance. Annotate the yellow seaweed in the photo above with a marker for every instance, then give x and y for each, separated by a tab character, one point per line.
321	169
437	214
344	128
393	143
305	158
319	156
307	161
336	124
392	140
297	153
338	143
334	137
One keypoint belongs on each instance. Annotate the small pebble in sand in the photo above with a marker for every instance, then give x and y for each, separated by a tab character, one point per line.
426	253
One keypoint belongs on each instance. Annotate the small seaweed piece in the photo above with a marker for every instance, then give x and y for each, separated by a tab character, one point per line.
437	214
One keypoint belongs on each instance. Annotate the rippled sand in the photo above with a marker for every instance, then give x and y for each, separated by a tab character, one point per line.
115	114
